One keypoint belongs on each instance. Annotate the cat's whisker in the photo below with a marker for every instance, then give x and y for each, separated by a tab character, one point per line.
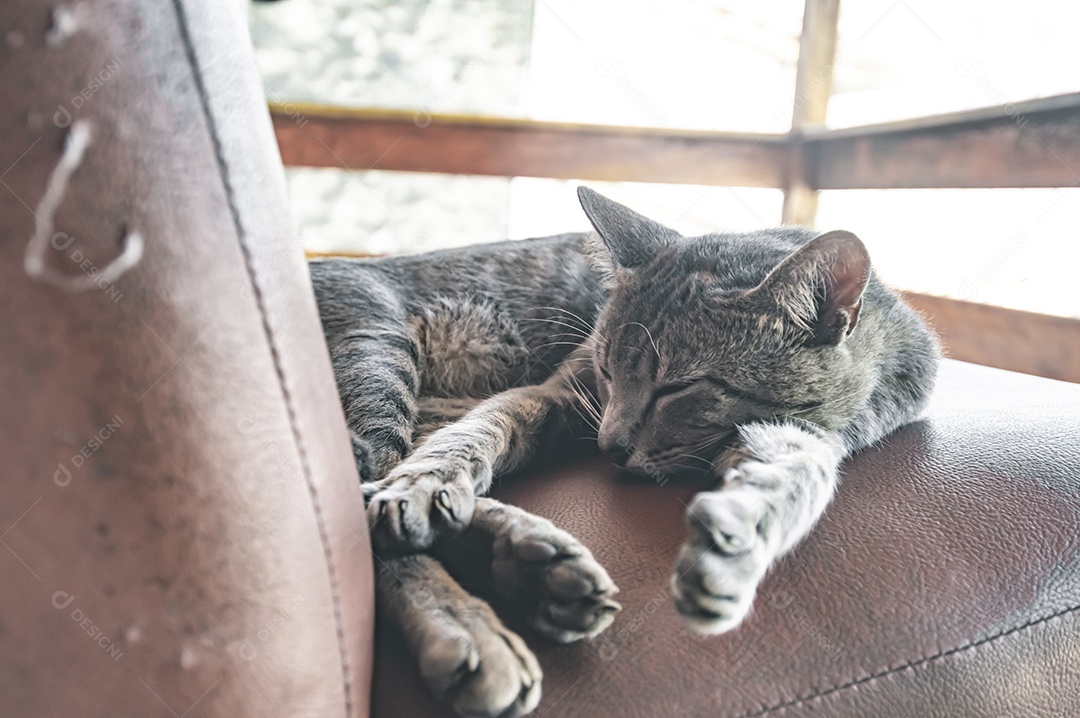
712	441
587	326
567	325
567	332
688	468
676	454
648	333
591	421
585	417
703	460
586	407
564	310
571	329
551	344
588	401
594	414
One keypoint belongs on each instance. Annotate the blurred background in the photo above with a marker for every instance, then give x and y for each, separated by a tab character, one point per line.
716	65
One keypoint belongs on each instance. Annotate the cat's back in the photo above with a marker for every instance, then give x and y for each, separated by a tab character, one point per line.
501	269
482	317
524	289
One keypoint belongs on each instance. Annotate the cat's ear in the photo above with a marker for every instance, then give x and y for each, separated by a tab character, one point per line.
820	286
631	239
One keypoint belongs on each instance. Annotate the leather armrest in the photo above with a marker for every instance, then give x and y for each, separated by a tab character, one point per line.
182	526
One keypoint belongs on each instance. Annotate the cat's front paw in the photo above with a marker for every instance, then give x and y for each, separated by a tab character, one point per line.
555	581
720	566
468	656
416	503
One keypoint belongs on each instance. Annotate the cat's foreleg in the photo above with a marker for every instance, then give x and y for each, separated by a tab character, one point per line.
541	570
777	481
376	373
464	652
433	491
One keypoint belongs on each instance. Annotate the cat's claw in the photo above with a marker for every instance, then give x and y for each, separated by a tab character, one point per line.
409	510
562	591
720	566
485	670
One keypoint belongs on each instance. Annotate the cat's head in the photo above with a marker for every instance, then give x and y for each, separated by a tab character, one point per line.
702	334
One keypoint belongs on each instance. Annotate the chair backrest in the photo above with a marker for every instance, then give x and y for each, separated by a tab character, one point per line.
180	511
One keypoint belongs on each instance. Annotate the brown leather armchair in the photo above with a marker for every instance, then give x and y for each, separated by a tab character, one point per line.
182	531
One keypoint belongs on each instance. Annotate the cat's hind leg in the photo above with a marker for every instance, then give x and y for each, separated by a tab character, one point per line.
464	652
543	571
376	372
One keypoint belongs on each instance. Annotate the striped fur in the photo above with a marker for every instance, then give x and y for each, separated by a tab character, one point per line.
762	359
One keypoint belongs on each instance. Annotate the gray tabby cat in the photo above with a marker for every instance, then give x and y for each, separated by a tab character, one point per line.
762	359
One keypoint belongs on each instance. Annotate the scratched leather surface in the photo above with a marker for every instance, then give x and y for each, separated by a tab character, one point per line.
187	563
942	581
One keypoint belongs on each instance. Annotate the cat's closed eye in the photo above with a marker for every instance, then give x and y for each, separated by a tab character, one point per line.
671	389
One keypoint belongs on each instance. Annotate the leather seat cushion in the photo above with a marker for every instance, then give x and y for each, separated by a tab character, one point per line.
941	581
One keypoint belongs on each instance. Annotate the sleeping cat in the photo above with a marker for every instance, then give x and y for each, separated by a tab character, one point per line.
760	359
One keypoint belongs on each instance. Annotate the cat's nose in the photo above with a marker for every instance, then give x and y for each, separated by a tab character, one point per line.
612	433
605	438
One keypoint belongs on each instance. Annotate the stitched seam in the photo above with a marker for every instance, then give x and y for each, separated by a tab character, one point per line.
911	664
230	197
